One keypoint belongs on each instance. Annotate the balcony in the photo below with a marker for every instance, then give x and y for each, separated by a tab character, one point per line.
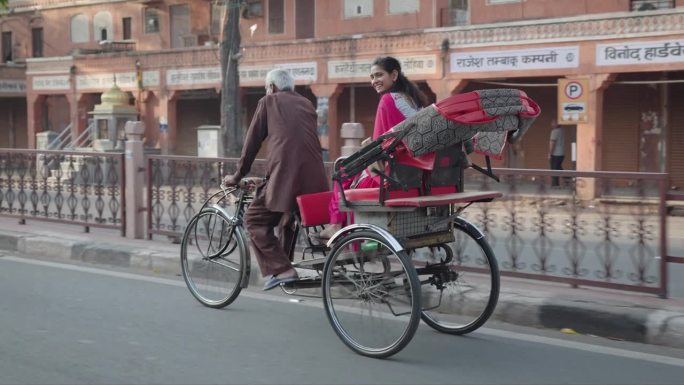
452	17
107	46
651	5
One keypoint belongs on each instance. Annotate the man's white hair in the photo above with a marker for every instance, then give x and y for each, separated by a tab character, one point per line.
281	79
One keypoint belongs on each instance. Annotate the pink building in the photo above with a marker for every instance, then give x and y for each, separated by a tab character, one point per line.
59	56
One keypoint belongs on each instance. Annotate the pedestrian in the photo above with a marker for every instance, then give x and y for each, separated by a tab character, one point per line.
556	150
294	166
400	99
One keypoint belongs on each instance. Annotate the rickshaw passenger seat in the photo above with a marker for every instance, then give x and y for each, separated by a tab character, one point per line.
446	176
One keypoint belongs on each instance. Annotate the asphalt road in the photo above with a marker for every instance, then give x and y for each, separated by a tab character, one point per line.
62	323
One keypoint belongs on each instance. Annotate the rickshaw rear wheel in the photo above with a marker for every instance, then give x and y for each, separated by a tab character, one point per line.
461	287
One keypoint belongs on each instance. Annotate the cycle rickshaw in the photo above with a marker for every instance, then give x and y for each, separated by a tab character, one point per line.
409	255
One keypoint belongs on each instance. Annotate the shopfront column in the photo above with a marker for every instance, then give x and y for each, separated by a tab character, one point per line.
76	114
443	88
34	118
590	136
167	122
328	124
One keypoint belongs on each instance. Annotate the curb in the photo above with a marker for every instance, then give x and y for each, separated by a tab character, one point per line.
620	321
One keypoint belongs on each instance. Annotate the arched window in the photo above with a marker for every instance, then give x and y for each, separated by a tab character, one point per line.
102	26
79	29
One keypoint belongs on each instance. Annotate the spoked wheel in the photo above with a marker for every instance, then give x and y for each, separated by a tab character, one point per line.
460	284
371	294
214	258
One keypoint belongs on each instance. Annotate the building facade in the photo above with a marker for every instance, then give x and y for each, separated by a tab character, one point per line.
60	56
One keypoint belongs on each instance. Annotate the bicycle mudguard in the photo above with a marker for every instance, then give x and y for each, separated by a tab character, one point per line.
468	227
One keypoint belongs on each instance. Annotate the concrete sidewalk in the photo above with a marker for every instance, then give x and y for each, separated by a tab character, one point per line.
616	315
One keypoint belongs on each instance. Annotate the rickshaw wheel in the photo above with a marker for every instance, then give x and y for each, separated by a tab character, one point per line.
461	286
371	294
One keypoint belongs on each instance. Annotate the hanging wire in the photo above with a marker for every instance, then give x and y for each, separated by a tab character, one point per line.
510	84
649	81
633	82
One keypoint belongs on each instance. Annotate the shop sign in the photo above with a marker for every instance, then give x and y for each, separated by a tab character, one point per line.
51	83
299	71
150	78
254	73
105	81
413	65
12	86
572	101
193	76
516	60
124	80
664	51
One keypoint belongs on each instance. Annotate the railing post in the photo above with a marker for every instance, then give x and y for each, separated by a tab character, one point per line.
662	211
353	134
135	180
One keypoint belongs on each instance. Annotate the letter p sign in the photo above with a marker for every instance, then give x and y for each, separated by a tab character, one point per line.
573	90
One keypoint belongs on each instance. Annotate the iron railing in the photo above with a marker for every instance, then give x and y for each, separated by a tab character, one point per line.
78	188
617	240
60	140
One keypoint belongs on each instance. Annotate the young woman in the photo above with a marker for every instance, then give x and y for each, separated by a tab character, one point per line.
400	99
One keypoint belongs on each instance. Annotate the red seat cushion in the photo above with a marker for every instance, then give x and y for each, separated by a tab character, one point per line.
313	208
373	194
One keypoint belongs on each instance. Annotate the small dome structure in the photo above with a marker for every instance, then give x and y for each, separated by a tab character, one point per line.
114	101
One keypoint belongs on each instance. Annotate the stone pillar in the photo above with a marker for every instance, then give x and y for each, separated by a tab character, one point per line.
135	180
328	131
590	136
443	88
352	134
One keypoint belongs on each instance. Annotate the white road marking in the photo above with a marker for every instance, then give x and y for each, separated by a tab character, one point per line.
318	304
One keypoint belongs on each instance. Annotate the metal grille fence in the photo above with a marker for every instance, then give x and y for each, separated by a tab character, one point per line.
616	241
81	188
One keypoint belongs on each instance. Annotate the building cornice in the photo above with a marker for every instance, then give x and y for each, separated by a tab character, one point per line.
570	29
20	6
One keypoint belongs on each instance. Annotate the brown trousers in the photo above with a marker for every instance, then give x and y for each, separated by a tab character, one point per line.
271	233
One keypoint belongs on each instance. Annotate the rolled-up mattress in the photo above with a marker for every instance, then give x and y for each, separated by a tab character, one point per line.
489	117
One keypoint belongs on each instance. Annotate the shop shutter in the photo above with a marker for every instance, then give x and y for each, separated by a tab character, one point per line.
621	128
675	158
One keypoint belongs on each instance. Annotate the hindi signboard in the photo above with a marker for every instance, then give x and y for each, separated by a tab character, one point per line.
12	86
649	52
413	65
516	60
209	76
573	101
306	72
124	80
51	83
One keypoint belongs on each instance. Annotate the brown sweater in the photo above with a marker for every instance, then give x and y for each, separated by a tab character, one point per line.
294	164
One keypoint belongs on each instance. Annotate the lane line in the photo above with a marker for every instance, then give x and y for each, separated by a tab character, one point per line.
318	304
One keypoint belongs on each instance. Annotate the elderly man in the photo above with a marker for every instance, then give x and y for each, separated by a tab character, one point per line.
294	167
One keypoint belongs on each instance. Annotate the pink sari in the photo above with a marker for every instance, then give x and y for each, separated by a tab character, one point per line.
392	110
